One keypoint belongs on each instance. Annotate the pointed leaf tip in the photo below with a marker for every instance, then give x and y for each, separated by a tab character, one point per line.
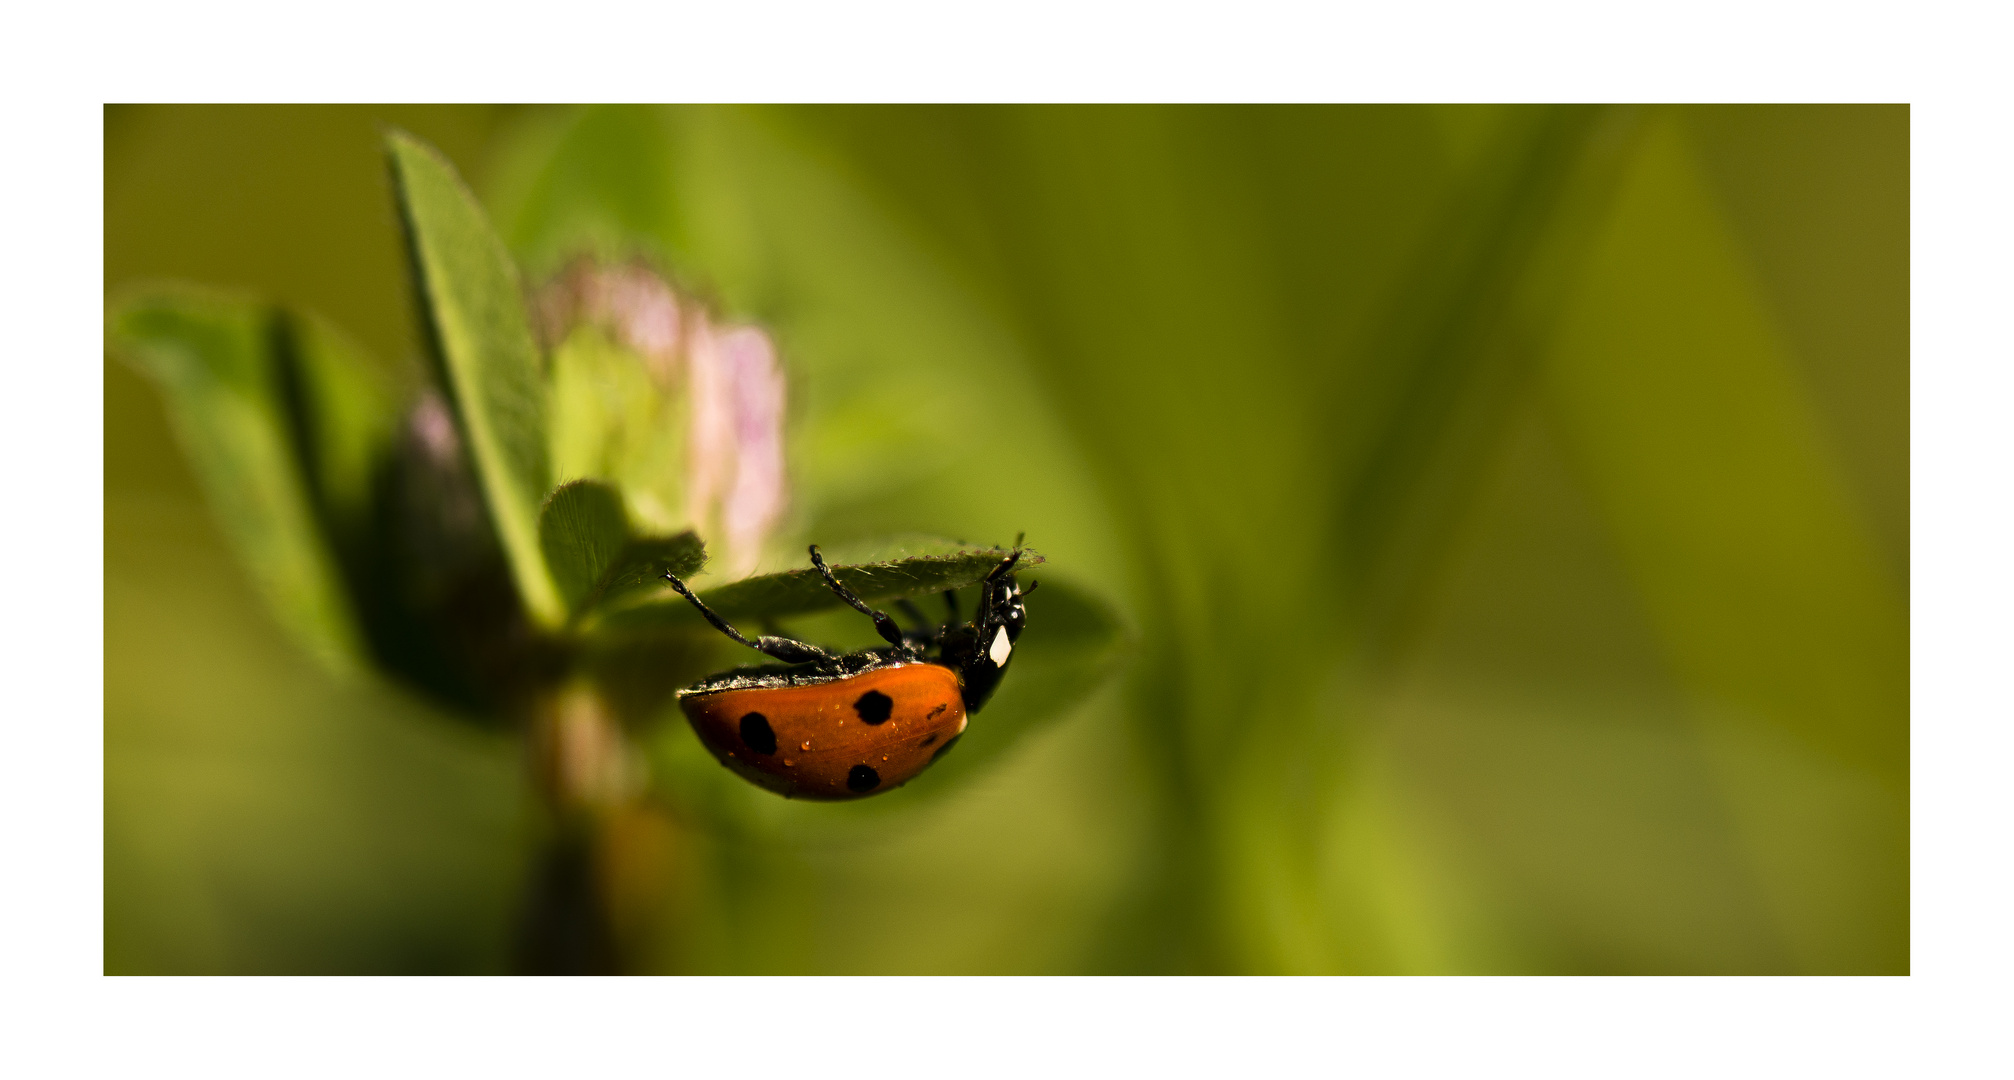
596	560
481	337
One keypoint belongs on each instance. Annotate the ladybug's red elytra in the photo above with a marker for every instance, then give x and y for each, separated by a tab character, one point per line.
843	726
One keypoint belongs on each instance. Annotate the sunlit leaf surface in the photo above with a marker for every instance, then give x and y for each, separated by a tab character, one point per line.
475	311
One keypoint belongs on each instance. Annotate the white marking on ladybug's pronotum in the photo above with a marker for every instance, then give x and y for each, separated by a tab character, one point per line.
1001	647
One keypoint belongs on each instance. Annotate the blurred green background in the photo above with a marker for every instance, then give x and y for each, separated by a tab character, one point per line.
1509	504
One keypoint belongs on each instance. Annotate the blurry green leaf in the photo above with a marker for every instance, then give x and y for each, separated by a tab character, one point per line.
261	817
216	360
594	557
346	409
1817	196
475	311
1460	346
800	592
1729	505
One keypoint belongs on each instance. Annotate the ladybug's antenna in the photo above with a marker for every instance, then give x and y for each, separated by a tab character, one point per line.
890	632
788	650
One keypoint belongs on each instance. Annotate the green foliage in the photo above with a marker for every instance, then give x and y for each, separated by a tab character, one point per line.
283	429
1725	504
582	531
281	409
263	816
474	309
1460	348
595	558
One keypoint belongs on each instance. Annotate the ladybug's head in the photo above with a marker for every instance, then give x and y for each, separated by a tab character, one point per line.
981	651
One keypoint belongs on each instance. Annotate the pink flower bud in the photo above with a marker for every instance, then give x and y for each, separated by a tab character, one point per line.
732	390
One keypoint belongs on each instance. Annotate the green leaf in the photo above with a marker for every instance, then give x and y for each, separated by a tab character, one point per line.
346	411
644	562
476	317
803	592
1462	345
216	358
595	558
1679	396
581	530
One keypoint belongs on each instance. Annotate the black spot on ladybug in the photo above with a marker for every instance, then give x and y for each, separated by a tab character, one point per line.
937	712
946	748
864	778
756	732
873	707
928	741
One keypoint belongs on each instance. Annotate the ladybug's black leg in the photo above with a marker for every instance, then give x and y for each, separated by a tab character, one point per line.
981	650
890	632
999	602
788	650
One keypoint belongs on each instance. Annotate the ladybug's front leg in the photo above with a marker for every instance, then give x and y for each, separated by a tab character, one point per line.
884	625
788	650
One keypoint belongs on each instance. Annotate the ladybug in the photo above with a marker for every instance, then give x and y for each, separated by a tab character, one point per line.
844	726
